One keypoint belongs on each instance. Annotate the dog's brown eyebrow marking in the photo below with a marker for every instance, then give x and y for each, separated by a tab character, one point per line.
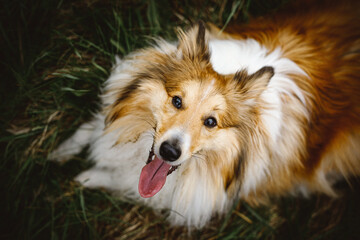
130	88
135	84
126	92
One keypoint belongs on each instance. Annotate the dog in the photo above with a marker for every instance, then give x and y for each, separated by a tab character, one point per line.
261	110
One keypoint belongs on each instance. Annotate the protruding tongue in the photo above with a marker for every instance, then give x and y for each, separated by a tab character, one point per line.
153	177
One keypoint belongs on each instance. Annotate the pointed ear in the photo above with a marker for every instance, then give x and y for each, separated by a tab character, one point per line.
193	44
254	84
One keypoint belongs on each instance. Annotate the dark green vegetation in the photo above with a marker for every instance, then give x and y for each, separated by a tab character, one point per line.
54	56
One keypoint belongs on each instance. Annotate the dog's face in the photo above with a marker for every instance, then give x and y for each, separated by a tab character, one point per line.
195	113
190	120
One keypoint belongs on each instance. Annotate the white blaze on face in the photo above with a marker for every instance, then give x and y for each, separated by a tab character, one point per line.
207	91
199	103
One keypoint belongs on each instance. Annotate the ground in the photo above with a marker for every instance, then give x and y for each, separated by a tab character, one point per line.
55	55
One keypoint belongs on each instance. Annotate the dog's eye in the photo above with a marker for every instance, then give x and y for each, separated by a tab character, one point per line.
210	122
176	101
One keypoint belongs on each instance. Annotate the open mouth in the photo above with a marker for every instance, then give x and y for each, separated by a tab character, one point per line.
152	157
153	175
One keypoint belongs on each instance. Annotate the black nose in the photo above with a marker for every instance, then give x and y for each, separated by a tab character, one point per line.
169	152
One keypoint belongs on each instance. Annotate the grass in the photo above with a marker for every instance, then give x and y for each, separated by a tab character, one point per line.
55	56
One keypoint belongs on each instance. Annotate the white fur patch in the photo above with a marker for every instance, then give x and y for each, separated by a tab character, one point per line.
189	192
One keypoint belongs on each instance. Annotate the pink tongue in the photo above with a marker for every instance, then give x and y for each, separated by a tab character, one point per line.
153	177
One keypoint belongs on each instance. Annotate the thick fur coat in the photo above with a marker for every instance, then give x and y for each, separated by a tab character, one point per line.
266	109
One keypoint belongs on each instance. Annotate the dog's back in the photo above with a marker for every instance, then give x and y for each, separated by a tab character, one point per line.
296	130
323	39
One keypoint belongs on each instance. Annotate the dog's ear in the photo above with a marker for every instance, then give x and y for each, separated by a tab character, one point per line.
253	85
130	115
193	44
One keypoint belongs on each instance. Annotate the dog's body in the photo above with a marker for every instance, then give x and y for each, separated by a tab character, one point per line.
267	109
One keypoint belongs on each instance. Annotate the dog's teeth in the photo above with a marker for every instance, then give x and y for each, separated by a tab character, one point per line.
153	157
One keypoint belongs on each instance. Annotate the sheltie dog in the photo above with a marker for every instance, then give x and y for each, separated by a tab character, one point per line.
262	110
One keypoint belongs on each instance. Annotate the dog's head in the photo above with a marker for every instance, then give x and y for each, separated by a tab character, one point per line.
195	113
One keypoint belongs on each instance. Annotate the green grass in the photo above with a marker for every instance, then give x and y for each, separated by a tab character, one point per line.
55	56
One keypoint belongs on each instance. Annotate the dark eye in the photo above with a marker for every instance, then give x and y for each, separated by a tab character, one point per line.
176	101
210	122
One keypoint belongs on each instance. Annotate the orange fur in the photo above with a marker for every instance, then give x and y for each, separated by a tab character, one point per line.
321	37
265	109
324	43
